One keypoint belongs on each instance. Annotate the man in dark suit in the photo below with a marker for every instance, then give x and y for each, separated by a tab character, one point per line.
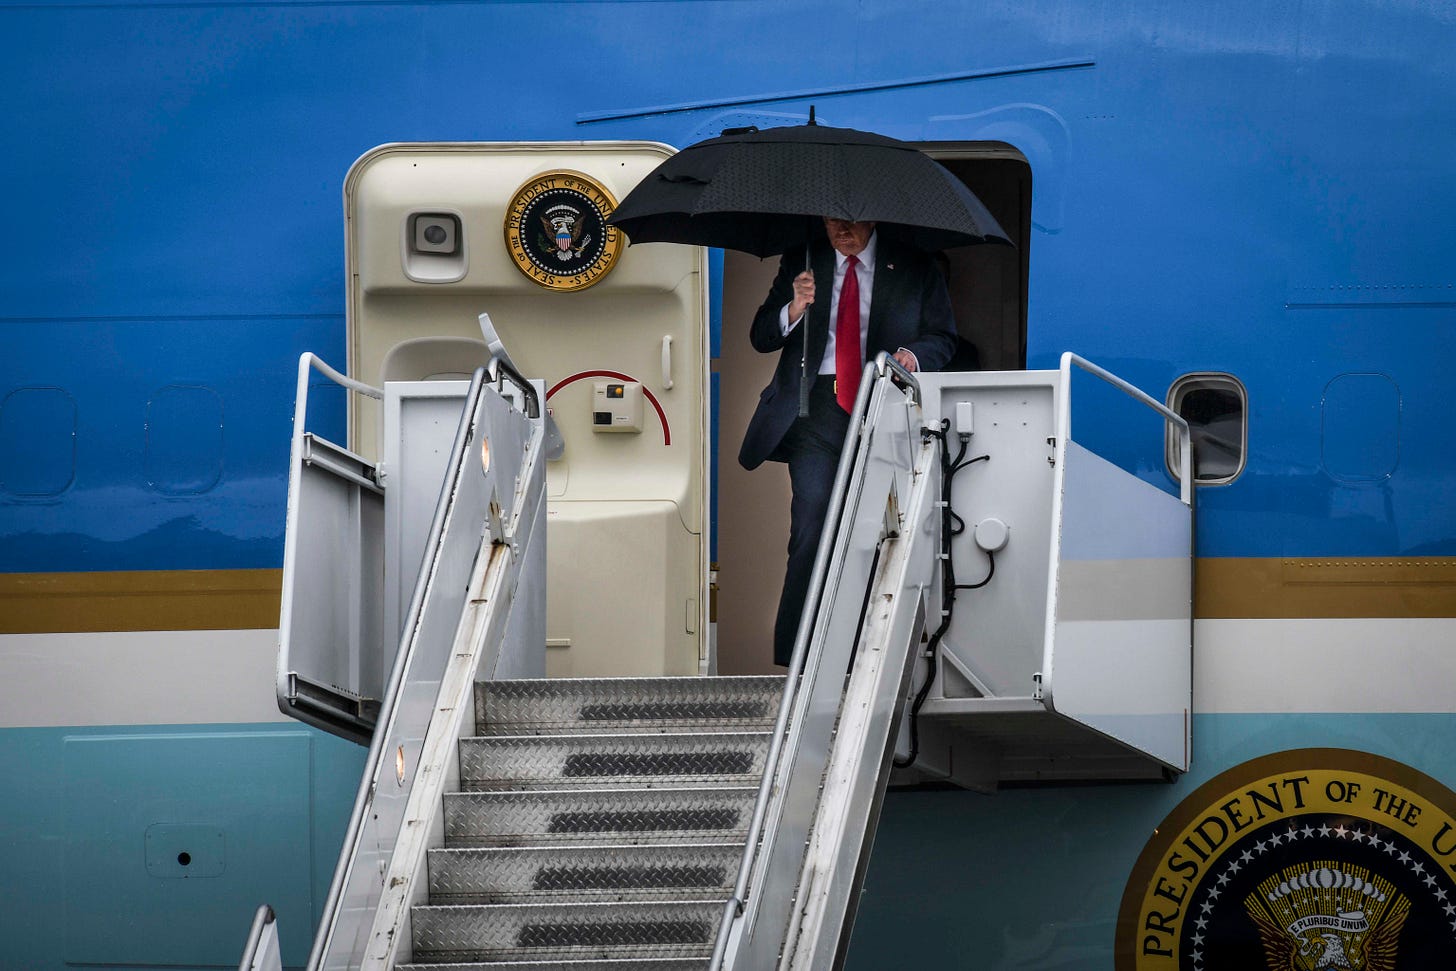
895	300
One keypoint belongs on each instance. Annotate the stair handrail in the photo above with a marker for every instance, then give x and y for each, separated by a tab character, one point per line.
258	955
1179	423
375	760
893	511
308	359
489	640
500	372
881	367
299	447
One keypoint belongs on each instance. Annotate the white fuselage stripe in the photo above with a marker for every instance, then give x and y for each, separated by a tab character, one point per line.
1367	666
138	678
1360	666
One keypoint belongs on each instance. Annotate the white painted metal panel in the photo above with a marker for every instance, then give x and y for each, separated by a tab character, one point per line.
1075	660
1119	641
420	419
331	643
331	665
996	636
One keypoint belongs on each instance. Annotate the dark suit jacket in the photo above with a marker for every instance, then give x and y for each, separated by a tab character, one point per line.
909	308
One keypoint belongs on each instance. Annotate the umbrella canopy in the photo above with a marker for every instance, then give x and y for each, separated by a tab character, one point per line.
762	191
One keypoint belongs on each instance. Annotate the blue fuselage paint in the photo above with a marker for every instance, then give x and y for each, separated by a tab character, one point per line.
1251	191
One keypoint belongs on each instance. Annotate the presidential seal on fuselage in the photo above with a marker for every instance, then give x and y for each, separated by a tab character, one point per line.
557	234
1306	860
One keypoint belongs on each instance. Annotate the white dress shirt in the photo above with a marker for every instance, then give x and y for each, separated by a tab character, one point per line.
866	273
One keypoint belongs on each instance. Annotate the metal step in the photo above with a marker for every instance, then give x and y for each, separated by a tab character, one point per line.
616	964
607	761
556	932
575	707
601	826
546	817
584	873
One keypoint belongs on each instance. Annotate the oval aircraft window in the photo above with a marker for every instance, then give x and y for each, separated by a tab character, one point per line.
1216	409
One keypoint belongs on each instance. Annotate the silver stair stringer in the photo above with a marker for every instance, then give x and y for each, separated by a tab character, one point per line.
792	908
480	593
864	743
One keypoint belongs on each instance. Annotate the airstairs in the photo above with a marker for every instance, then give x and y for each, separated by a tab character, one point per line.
597	819
511	821
598	824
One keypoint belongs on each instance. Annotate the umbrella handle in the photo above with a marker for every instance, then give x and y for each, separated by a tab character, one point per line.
804	351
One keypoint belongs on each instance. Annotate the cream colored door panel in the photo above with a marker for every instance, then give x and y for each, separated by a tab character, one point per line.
438	234
620	576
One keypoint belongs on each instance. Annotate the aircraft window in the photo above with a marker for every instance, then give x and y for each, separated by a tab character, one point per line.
1216	409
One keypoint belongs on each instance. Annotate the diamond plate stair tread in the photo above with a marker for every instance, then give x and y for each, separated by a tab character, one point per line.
475	932
563	817
617	964
625	704
606	761
526	874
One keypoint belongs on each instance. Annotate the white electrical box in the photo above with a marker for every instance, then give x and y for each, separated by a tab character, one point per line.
617	406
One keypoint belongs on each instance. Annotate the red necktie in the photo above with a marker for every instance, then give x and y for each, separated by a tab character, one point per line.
848	360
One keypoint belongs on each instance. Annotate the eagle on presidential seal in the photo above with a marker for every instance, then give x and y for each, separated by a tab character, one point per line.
1327	918
566	236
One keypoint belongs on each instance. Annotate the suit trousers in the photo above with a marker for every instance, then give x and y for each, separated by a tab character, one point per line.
811	448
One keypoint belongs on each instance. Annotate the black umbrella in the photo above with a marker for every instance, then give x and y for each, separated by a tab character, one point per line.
761	192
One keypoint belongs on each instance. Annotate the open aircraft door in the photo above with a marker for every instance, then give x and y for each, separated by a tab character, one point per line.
439	234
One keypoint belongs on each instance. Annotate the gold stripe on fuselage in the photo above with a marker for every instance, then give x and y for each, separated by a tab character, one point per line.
1312	587
1225	588
137	600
